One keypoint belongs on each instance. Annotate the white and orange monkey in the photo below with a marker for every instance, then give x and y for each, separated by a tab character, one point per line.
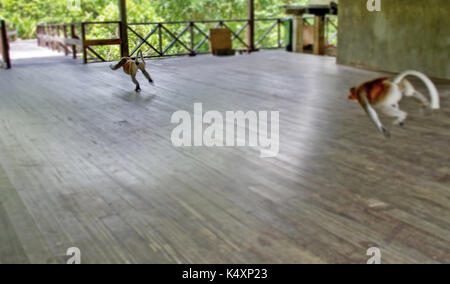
131	67
384	94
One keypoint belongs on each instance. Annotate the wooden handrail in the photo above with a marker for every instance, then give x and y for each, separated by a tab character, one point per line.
62	37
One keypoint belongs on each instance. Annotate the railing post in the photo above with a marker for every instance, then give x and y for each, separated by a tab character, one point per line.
48	39
57	46
251	25
83	38
58	36
192	39
279	33
160	39
74	36
50	34
53	37
66	48
44	35
47	34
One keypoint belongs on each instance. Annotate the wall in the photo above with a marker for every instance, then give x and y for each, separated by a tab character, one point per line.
406	34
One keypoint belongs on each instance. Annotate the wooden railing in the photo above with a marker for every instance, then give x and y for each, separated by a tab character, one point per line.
163	39
5	60
71	38
59	37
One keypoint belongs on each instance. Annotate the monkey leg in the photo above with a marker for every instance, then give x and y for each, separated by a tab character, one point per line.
394	111
420	97
138	87
149	78
374	116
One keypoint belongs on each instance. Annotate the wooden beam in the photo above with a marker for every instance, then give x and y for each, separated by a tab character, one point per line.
251	25
100	42
124	50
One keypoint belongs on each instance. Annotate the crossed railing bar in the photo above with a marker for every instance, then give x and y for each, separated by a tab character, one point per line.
193	48
62	37
145	40
329	22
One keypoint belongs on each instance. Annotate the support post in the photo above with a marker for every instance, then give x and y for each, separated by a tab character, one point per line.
298	31
74	36
124	50
58	37
44	38
319	34
83	39
66	47
251	26
4	44
160	39
47	34
192	38
52	34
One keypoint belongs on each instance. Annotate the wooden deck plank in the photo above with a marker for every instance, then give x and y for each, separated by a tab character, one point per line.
93	164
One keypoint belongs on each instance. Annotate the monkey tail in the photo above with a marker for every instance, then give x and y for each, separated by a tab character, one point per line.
435	101
120	64
140	57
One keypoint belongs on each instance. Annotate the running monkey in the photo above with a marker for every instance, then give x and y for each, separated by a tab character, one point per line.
131	67
384	94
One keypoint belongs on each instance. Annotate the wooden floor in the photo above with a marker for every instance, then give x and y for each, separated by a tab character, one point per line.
87	163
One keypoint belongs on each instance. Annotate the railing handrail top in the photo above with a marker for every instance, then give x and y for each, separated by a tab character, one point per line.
174	22
163	22
205	21
101	23
80	23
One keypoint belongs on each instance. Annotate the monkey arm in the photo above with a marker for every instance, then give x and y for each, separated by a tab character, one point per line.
119	65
